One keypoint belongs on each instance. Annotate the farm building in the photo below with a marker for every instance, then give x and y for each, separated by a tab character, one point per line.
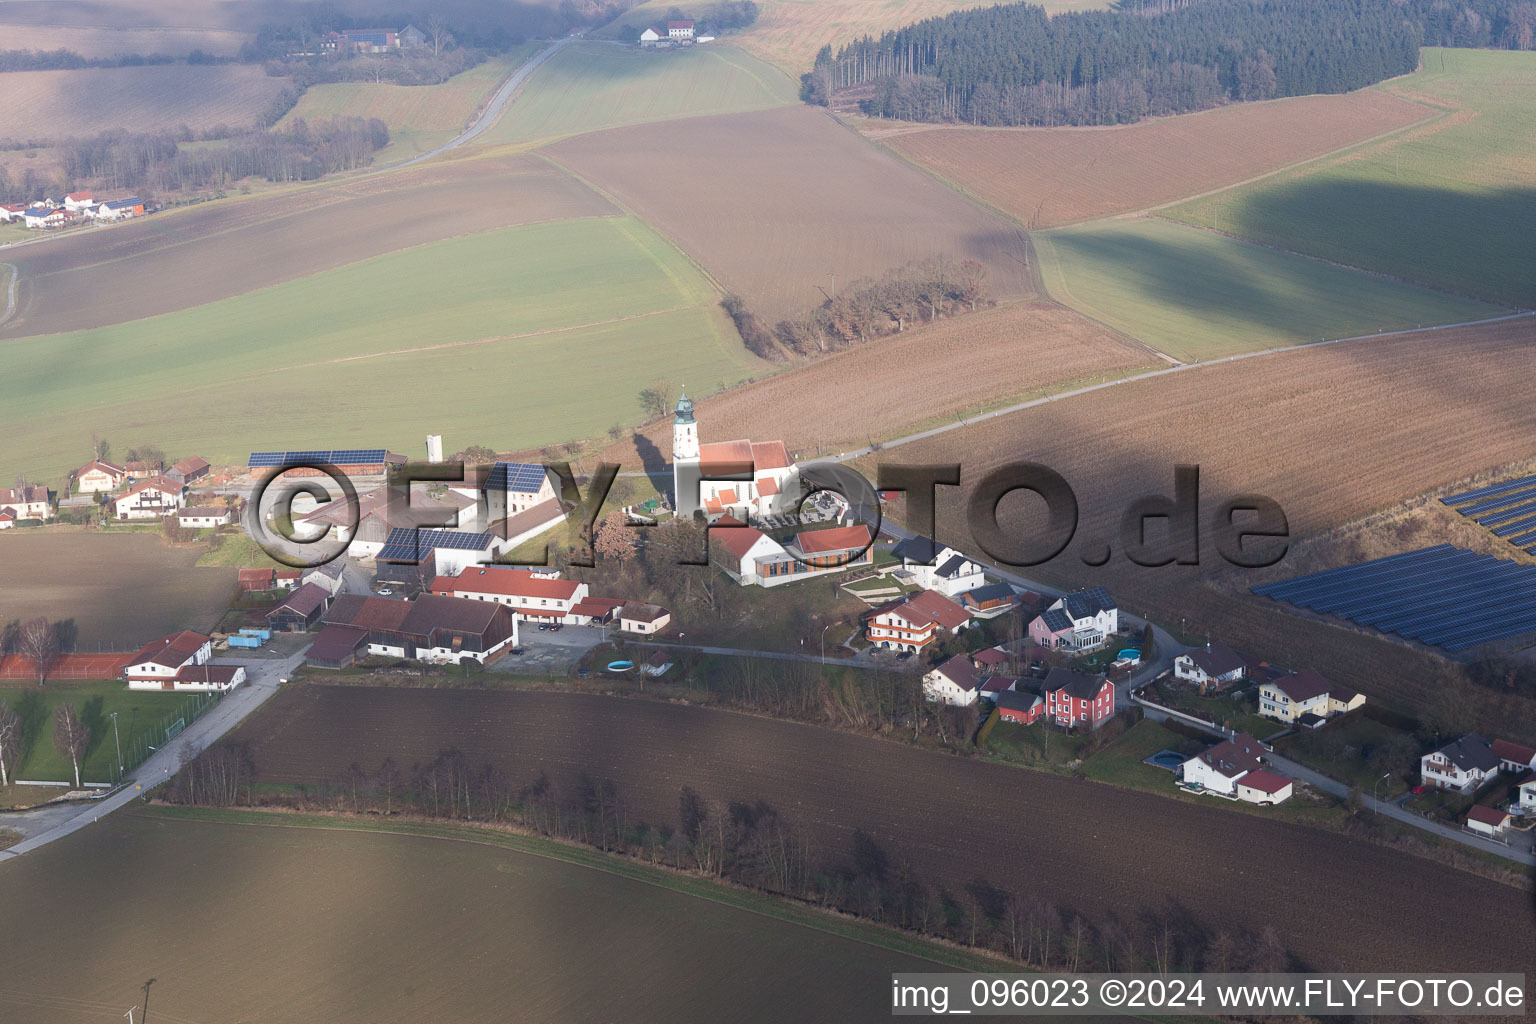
329	575
336	646
30	501
1075	698
522	526
643	618
7	519
287	579
439	552
98	475
532	598
204	517
1487	821
741	479
651	38
189	469
155	665
258	580
938	567
912	623
300	610
1220	769
1215	667
1305	698
1461	765
154	498
597	611
208	678
1021	707
378	511
434	627
954	682
508	488
1081	621
347	461
1512	756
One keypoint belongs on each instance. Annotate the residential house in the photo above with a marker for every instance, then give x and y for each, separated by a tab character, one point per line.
1305	698
30	501
257	580
361	40
1215	667
989	601
680	30
1081	621
433	628
1513	757
155	665
1487	821
1220	769
1525	803
300	610
118	209
12	211
643	618
287	579
1462	765
7	518
79	201
939	567
912	623
204	517
41	217
1022	707
1074	698
98	475
207	678
153	498
954	682
189	469
532	598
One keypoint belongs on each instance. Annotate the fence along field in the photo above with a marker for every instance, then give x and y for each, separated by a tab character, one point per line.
1096	850
774	203
1047	177
1198	295
347	927
1450	204
1332	433
345	353
55	105
173	261
589	86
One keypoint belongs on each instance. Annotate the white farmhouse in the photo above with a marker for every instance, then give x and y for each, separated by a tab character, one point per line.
1235	768
954	682
154	498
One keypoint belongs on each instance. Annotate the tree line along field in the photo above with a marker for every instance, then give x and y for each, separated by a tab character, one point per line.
121	589
142	717
1015	351
1332	433
1100	852
1199	295
538	333
1048	177
420	117
806	199
340	926
201	254
1450	204
55	105
589	86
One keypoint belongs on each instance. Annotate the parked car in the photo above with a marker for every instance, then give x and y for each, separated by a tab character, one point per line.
516	650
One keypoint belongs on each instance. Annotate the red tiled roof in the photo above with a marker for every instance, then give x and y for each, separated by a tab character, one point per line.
931	606
991	656
737	540
768	486
170	651
598	607
1487	815
163	484
306	600
1507	751
191	464
505	583
110	468
841	538
1264	782
256	576
1304	685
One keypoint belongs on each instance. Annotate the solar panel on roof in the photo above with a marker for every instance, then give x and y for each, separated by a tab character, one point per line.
332	456
519	477
411	544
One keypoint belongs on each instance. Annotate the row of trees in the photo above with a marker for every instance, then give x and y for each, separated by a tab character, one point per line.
922	291
68	60
40	641
753	843
71	735
1015	64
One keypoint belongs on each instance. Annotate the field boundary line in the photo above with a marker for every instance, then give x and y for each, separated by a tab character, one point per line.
13	277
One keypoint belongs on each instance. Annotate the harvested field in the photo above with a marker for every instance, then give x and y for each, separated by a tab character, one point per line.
229	248
1044	828
990	358
122	589
1332	433
590	86
335	927
56	105
806	199
1046	177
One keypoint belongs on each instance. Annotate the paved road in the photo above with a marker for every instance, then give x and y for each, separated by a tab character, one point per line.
48	824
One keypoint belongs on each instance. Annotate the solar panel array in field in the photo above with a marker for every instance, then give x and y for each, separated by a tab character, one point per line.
1507	510
1443	596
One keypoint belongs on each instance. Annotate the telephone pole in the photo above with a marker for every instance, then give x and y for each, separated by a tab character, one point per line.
145	1018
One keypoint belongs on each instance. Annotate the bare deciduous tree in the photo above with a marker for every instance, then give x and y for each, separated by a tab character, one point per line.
10	741
38	640
70	736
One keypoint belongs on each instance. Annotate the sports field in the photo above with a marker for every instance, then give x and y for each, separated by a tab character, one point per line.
323	926
527	335
142	717
1450	204
1198	295
589	86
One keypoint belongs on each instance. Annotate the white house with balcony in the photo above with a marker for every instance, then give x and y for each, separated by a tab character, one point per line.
1462	765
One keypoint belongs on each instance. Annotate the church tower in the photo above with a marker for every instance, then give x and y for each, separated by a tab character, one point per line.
685	458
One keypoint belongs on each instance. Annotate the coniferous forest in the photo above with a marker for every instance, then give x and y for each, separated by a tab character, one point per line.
1014	64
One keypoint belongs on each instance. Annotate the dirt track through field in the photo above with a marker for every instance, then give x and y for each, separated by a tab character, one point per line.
1095	849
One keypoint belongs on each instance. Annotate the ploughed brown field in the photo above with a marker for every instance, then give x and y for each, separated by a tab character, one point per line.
123	590
1093	849
774	203
172	261
1047	177
1332	433
56	105
989	357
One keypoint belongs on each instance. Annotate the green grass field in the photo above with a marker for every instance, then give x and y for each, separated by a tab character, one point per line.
1451	204
599	85
527	335
420	117
141	718
1198	295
